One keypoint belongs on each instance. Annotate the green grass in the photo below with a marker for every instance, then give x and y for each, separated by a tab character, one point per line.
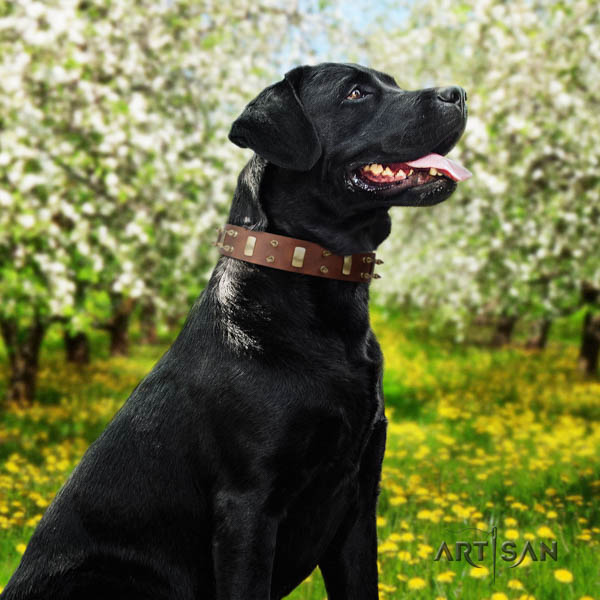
477	438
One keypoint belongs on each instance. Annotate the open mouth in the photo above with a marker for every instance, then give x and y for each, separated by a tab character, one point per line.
398	176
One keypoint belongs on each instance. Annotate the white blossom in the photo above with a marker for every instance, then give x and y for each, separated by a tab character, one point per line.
528	219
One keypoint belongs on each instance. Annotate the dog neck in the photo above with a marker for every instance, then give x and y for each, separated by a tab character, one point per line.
295	205
253	304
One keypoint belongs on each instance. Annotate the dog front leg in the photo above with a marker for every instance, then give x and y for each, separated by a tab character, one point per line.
243	547
349	566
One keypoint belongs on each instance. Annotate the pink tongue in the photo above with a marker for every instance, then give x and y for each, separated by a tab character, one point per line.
441	163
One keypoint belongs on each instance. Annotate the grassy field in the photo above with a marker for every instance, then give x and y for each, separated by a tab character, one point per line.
507	439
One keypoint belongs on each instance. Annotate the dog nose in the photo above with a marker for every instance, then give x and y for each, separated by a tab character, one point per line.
452	94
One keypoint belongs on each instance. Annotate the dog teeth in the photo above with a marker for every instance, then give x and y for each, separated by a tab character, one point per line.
374	168
378	169
432	171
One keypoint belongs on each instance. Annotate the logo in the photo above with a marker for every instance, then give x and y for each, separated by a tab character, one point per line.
508	549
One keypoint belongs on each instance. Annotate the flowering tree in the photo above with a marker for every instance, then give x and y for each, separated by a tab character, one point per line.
521	236
114	161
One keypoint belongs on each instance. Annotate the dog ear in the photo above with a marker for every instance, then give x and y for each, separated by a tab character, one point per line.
276	126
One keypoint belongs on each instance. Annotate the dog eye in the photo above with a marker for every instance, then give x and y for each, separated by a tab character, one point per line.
355	94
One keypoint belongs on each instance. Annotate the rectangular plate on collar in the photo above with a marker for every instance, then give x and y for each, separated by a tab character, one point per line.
250	243
298	258
347	265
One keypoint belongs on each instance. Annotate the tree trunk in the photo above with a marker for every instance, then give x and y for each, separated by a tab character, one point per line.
23	349
540	341
118	326
590	344
119	337
590	294
77	348
505	326
148	323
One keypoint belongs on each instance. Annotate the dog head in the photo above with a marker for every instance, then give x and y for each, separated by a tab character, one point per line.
349	134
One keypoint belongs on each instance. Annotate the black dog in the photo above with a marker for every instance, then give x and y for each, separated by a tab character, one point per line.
252	452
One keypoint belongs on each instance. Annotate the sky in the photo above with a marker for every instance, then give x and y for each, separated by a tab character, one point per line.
360	15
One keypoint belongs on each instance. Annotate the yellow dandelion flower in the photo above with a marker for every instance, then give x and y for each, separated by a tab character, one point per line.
398	500
479	572
510	522
499	596
512	534
20	548
446	577
33	521
436	515
388	546
525	562
404	556
551	514
582	597
563	575
381	521
545	531
416	583
515	584
402	577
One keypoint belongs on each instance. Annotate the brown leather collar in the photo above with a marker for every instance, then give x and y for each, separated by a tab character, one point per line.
297	256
